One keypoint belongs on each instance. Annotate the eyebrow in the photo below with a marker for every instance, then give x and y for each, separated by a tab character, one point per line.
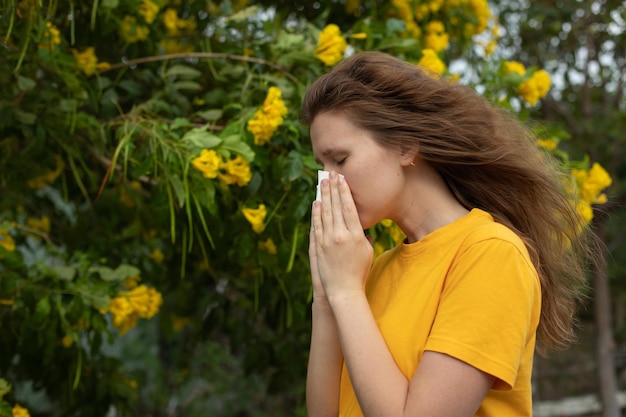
327	152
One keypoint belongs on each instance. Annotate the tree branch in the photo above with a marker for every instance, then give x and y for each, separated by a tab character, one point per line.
201	55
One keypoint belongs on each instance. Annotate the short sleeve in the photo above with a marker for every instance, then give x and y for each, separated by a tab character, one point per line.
489	309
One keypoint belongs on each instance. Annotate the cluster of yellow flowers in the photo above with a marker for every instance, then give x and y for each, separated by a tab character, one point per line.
267	119
232	171
42	224
131	31
590	185
431	61
87	61
268	246
175	27
19	411
6	240
534	87
436	37
51	37
174	24
415	15
49	177
256	217
330	45
137	301
148	10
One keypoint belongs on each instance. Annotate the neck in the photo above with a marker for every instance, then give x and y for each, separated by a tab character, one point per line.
431	205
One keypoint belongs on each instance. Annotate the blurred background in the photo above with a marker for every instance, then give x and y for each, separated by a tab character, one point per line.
155	188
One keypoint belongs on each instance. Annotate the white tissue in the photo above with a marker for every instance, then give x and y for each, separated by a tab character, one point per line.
320	176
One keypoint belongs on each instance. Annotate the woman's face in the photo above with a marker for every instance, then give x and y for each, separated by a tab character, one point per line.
373	172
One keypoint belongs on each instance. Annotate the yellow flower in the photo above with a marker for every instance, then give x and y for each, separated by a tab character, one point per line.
173	24
42	224
353	7
7	301
51	37
591	183
19	411
67	341
179	323
436	40
235	171
514	66
548	144
86	60
131	32
535	88
174	46
157	256
208	163
49	177
266	120
6	241
430	60
269	246
379	249
330	45
148	10
128	306
360	35
256	217
480	8
543	82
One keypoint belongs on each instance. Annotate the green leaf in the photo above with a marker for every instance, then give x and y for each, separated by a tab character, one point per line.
119	274
43	307
235	144
187	85
5	387
25	117
200	138
294	165
5	409
66	273
182	71
110	4
244	14
179	122
179	189
211	115
25	83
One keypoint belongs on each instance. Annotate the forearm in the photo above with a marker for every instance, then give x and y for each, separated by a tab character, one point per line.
325	362
380	386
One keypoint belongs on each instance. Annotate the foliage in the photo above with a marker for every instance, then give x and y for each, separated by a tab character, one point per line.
161	140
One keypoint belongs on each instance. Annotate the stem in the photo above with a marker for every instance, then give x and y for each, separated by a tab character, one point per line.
202	55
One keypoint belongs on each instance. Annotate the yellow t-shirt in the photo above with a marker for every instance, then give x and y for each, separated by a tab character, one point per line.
469	290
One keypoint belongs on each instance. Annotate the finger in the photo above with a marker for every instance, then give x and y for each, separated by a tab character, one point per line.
326	216
350	213
338	219
317	224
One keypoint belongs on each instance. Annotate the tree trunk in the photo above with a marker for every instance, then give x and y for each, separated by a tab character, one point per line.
605	345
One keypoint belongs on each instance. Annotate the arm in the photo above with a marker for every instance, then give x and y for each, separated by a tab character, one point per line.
441	386
325	357
325	362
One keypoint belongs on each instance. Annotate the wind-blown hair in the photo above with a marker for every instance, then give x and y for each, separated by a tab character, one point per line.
486	156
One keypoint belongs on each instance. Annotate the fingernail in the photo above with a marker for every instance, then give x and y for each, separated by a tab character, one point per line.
341	179
333	174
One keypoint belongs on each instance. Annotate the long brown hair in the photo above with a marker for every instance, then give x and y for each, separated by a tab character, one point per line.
486	156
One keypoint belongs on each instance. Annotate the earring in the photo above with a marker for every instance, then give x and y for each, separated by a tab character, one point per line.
412	163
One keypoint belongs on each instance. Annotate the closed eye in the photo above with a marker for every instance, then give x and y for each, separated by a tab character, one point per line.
341	161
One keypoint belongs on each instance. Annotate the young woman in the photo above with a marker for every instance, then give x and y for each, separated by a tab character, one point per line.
446	323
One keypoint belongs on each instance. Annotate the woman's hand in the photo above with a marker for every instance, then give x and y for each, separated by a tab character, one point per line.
341	255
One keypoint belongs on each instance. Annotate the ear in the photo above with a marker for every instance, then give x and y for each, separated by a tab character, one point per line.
408	157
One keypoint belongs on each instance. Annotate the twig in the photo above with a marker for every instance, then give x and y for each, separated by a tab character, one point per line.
201	55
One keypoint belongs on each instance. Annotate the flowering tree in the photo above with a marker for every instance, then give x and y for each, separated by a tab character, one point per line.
152	161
